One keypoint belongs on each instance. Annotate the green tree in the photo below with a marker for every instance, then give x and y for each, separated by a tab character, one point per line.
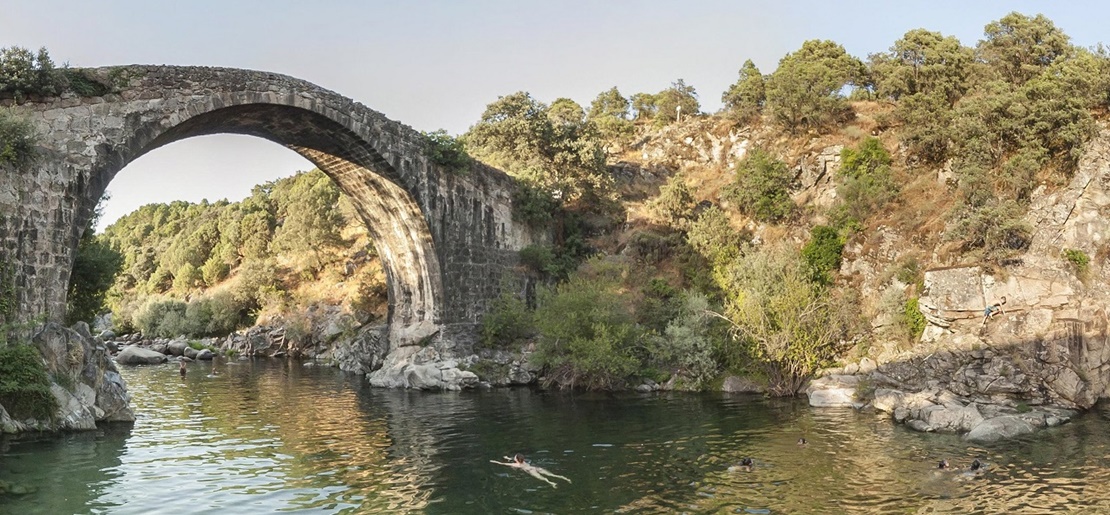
805	90
787	320
562	154
923	62
680	98
311	222
926	131
94	271
1020	47
609	112
761	189
744	100
643	106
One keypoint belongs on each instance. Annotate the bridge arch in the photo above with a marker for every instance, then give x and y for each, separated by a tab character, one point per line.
445	238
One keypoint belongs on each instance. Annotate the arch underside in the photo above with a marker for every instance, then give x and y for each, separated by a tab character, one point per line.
392	217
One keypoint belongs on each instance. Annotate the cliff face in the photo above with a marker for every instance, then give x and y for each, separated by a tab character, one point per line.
1052	329
1045	352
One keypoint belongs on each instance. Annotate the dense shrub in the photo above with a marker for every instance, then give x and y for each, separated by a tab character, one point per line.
1079	261
688	343
785	318
447	151
822	253
713	236
586	333
761	189
161	317
17	141
913	319
24	383
675	203
507	322
865	183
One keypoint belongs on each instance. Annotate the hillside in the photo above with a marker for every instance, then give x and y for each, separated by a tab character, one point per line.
293	249
840	218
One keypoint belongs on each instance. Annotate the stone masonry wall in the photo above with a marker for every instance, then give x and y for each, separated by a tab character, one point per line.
447	238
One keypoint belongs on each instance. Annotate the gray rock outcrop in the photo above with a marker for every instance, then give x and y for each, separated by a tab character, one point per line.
132	355
87	384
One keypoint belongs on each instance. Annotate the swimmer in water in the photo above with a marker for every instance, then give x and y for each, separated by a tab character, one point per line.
802	441
182	368
943	465
744	466
532	470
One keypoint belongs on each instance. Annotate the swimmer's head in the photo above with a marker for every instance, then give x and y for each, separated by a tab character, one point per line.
976	465
519	458
802	441
745	462
942	464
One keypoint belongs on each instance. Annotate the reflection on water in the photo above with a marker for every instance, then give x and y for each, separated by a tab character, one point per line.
275	436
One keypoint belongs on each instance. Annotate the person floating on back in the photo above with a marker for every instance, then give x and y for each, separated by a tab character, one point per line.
532	470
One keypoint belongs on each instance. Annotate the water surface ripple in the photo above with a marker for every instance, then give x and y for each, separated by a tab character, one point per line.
278	437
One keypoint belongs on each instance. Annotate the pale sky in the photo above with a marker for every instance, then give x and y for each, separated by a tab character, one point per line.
437	64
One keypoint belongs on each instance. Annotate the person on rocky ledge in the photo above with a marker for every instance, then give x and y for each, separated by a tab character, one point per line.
518	462
990	311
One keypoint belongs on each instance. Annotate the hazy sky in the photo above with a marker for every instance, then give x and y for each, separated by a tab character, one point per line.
436	64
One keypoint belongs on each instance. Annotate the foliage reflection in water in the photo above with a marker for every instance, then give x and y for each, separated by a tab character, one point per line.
272	436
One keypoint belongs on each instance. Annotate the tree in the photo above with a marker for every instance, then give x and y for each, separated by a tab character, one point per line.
557	150
643	106
311	224
744	100
805	90
679	98
787	320
923	62
609	112
761	189
1020	47
94	271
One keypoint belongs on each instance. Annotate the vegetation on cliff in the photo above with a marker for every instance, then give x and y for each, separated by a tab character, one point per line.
759	255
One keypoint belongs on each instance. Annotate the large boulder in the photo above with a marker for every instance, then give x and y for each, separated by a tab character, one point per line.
834	391
133	355
177	347
1000	428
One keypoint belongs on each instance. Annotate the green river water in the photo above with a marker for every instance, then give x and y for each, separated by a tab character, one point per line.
280	437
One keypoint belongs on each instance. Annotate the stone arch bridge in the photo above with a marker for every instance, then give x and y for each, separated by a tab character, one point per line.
445	238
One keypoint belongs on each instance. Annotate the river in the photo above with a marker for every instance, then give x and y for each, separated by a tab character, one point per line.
276	436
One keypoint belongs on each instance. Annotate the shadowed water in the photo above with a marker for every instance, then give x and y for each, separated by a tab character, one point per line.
275	436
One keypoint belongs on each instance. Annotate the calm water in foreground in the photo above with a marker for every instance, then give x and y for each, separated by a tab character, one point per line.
274	436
